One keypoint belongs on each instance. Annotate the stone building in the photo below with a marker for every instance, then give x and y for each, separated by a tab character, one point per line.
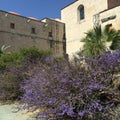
61	37
81	15
18	31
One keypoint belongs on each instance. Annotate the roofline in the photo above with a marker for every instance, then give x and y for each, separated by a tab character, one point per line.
22	16
53	20
69	4
109	9
31	18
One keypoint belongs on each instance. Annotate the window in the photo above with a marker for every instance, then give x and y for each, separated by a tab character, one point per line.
33	30
81	12
64	36
12	25
51	43
50	34
109	26
57	45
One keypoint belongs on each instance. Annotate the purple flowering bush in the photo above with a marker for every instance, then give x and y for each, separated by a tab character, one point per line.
79	90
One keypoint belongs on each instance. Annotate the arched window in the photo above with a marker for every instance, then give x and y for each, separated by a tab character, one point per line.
81	12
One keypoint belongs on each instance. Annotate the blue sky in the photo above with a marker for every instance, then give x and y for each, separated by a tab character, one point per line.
35	8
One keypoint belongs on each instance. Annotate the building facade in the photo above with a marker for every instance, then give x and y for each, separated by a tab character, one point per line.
82	15
61	37
18	31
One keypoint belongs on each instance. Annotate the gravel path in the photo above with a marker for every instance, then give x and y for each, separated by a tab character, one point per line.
10	112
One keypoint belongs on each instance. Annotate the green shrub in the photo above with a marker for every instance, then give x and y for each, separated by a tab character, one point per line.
2	49
33	53
13	67
10	84
10	59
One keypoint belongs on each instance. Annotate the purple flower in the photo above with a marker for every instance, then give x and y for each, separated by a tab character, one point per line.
72	89
81	113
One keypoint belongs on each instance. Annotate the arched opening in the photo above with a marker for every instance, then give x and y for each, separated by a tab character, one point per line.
81	12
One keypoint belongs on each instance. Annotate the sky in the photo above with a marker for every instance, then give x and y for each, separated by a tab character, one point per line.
35	8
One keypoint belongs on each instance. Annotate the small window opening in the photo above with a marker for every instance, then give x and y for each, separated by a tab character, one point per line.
64	36
81	12
51	44
50	34
33	30
12	25
109	26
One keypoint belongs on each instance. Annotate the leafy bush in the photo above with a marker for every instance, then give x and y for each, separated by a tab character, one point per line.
10	84
24	55
82	90
13	67
2	49
11	59
33	54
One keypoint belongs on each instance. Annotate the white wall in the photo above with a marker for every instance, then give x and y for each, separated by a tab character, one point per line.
75	29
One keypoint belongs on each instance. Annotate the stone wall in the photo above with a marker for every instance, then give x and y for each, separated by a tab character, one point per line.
75	28
18	31
112	17
94	12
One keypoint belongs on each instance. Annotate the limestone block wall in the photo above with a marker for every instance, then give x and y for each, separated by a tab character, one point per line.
75	28
56	35
18	31
112	17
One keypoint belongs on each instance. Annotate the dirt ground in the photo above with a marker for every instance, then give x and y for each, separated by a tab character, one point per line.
11	112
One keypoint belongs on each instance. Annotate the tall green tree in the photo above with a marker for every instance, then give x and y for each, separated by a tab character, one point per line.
97	38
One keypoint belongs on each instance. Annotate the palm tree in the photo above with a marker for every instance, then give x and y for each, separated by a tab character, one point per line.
96	39
115	40
2	49
94	42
